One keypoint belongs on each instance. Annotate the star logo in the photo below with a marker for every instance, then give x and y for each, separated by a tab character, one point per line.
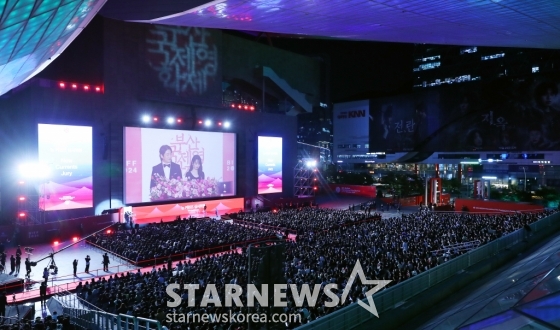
379	284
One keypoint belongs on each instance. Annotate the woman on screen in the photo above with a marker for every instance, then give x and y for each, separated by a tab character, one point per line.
195	171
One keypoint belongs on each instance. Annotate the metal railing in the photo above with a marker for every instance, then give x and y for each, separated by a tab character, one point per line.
99	320
69	299
9	319
458	247
352	316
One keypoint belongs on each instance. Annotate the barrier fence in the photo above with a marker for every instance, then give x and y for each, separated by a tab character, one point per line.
354	315
98	320
187	254
69	299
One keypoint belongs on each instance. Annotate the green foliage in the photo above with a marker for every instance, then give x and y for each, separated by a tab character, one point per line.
360	179
451	186
546	195
403	184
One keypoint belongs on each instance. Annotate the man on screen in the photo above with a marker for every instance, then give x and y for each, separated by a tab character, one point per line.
166	169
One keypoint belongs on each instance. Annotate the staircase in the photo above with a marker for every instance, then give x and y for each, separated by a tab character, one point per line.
294	94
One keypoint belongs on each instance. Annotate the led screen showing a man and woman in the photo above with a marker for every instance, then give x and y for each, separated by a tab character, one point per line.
269	165
64	176
163	165
520	114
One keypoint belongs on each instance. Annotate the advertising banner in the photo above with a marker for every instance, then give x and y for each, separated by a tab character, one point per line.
506	115
345	189
481	206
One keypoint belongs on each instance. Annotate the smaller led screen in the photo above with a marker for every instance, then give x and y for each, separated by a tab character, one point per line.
67	152
269	165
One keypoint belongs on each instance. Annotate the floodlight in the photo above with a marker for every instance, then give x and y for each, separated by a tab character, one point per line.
145	118
227	124
170	120
207	123
40	171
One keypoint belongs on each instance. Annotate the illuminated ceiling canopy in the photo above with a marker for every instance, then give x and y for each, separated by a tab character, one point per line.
507	23
34	32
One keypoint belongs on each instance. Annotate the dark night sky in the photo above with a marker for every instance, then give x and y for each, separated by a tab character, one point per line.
358	69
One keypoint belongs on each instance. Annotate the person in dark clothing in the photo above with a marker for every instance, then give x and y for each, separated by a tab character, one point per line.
3	260
12	264
169	264
87	264
18	262
18	251
106	262
75	266
43	292
46	275
3	303
27	267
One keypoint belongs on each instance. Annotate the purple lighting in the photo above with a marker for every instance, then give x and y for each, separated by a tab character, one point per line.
481	23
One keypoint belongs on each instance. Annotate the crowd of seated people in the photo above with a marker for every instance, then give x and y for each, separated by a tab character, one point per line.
161	240
393	249
305	219
52	322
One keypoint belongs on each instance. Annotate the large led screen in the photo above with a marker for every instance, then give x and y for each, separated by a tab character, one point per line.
67	152
501	115
164	165
269	165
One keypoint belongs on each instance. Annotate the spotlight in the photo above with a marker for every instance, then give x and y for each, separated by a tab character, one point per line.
233	105
21	214
311	163
21	182
108	231
98	89
207	123
74	86
145	118
22	198
155	118
179	120
62	85
55	243
227	124
219	123
240	106
252	108
246	107
200	122
75	239
86	88
170	120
